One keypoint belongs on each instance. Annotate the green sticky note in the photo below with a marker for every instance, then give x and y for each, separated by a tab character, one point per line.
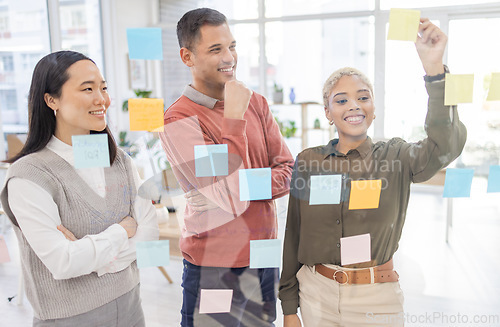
325	189
265	253
403	24
153	253
90	151
255	184
458	89
494	92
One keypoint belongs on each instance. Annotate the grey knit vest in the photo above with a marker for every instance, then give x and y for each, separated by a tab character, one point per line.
83	212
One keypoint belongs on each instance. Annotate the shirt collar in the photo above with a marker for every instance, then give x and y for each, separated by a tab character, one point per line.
198	97
62	149
363	149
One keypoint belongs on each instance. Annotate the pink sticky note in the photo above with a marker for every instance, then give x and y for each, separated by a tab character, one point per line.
355	249
215	301
4	252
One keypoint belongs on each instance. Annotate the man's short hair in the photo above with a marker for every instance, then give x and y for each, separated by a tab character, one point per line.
338	74
188	27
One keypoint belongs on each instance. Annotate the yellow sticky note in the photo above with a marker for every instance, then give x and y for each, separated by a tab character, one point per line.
403	24
365	194
458	89
145	114
494	92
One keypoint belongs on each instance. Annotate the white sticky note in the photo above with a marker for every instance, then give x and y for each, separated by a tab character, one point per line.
215	301
355	249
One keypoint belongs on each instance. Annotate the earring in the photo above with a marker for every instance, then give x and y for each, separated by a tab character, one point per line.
374	116
330	122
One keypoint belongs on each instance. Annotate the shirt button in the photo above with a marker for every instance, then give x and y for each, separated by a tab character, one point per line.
338	245
338	221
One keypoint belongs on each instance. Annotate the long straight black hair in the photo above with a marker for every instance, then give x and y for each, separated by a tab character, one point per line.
50	74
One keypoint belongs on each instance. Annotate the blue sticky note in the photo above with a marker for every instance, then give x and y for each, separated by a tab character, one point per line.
265	253
211	160
255	184
90	151
494	179
457	183
153	253
145	43
325	189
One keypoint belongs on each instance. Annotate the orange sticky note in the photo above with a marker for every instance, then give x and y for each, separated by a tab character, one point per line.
365	194
458	88
403	24
146	114
494	91
4	252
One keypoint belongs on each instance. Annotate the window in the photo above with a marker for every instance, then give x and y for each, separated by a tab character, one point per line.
278	8
405	96
8	99
482	117
233	9
81	28
4	24
303	61
388	4
25	39
28	42
7	62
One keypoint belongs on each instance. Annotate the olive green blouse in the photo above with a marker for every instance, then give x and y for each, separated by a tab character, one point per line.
313	232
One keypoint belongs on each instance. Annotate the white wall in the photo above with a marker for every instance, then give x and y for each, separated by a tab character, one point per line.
117	16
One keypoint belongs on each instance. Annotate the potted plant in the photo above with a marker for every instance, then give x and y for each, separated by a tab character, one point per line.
277	93
317	124
138	93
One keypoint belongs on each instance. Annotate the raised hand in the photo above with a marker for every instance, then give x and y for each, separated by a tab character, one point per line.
430	45
236	99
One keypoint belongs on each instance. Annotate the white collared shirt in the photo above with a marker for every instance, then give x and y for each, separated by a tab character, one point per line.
107	252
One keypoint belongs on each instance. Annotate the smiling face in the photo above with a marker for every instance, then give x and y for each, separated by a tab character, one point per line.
83	102
350	106
213	60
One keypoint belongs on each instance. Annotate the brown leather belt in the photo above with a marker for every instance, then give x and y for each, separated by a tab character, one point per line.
378	274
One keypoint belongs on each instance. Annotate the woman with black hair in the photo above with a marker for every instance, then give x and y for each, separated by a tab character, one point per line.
76	228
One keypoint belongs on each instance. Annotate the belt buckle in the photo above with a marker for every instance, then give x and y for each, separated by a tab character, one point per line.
335	277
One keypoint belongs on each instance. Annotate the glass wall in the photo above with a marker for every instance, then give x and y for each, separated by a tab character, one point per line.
471	52
81	28
24	39
303	61
279	8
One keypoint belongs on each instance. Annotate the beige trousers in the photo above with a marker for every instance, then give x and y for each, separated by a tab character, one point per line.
324	302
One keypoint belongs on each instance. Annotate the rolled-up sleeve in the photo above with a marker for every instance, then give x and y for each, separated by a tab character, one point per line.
446	136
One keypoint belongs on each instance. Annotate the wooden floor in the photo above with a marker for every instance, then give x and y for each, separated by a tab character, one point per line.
444	284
